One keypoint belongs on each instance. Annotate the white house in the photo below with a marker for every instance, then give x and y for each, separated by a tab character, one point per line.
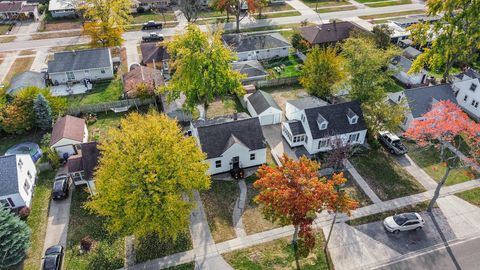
67	133
75	66
402	65
262	105
317	128
63	8
149	4
17	178
419	100
231	143
257	47
18	10
467	91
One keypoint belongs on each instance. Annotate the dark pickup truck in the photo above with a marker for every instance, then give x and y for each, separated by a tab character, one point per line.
392	143
153	37
151	25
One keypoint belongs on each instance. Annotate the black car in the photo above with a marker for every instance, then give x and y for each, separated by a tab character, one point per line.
151	25
53	258
153	37
61	187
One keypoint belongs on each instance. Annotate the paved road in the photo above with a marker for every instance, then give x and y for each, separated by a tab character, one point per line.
460	255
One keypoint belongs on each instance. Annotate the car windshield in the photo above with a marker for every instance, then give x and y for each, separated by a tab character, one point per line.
58	185
400	219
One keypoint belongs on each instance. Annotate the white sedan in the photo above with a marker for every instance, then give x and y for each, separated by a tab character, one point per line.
403	222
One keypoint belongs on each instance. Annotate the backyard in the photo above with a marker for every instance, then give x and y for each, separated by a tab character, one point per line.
102	92
105	121
384	175
284	67
228	106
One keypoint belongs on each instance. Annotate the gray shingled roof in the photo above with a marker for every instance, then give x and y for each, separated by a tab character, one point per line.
336	115
8	175
261	101
251	68
411	53
420	99
79	60
328	32
215	139
307	103
25	79
296	127
245	43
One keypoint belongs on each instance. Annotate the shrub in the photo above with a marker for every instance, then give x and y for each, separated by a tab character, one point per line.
53	158
105	257
86	243
24	212
90	118
140	9
15	238
45	142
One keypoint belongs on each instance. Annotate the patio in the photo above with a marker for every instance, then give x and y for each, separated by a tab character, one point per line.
68	90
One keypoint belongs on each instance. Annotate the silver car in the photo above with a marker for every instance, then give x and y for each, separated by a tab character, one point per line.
403	222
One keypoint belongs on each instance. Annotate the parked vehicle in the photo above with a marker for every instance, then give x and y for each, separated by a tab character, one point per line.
61	187
403	222
392	143
53	258
151	25
153	37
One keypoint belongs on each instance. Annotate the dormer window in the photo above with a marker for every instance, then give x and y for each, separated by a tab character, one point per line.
352	117
322	122
473	87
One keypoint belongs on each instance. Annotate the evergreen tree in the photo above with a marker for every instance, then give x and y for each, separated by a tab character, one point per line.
43	112
14	238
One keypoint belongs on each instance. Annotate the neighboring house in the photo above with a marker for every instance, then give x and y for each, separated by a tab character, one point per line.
257	47
328	33
466	87
174	109
231	144
151	4
67	133
399	35
411	53
274	2
317	128
17	178
62	8
414	19
262	105
82	166
419	100
147	77
18	10
26	79
76	66
154	53
253	69
402	65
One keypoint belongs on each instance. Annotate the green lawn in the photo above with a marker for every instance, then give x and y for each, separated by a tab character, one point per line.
392	86
37	221
274	8
278	255
150	16
152	247
472	196
186	266
355	192
7	141
419	207
279	15
313	3
108	250
219	202
287	66
392	14
105	121
4	28
428	158
384	175
102	92
335	9
389	3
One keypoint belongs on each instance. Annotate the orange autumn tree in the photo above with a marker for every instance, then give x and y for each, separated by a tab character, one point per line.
445	124
293	193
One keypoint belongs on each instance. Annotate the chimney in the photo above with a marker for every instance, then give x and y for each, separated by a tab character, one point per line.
335	25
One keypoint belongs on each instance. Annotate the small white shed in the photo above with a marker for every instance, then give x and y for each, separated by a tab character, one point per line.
262	105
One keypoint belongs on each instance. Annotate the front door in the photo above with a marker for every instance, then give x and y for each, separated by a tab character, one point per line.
235	162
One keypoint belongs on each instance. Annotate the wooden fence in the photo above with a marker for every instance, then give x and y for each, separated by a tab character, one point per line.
106	106
277	82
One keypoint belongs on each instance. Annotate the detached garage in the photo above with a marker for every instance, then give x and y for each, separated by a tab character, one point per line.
67	133
263	105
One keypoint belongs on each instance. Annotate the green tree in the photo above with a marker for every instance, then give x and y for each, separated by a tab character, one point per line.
146	169
106	21
14	238
259	5
28	95
16	117
454	38
323	70
203	71
381	35
43	112
299	43
381	116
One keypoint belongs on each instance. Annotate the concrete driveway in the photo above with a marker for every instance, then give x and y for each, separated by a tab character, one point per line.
277	143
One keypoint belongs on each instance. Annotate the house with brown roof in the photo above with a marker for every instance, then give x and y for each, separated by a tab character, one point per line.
142	77
18	10
81	167
67	133
328	33
154	54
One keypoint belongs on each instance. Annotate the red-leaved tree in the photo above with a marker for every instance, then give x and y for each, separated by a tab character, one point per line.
293	193
443	125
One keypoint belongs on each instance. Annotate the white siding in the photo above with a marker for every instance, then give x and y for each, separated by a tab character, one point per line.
244	156
63	13
267	117
24	195
313	147
467	98
411	79
91	74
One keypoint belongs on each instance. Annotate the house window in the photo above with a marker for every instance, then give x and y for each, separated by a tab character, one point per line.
323	126
323	143
29	175
475	103
10	201
218	164
26	186
252	156
70	76
4	202
465	98
102	71
354	120
20	163
473	87
303	118
353	137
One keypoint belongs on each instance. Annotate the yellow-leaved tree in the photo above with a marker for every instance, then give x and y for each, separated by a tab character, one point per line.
146	169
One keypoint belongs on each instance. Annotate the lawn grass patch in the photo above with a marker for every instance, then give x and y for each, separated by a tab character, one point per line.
419	207
5	28
335	9
392	14
150	16
108	251
266	28
389	3
105	121
185	266
219	202
72	33
278	255
354	191
276	8
384	175
284	67
19	65
472	196
37	220
313	3
7	141
76	47
151	246
102	92
278	15
428	158
229	106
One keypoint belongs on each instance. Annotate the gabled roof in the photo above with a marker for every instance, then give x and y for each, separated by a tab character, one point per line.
251	68
420	99
151	77
307	103
245	43
336	116
8	175
261	101
152	51
68	127
328	32
25	79
80	60
215	139
61	5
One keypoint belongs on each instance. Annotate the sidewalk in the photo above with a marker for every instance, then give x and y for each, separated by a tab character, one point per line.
362	183
420	175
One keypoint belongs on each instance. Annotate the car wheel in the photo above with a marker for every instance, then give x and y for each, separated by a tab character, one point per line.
392	151
396	231
418	228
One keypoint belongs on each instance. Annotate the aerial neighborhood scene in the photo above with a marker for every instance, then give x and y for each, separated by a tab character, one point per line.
239	134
